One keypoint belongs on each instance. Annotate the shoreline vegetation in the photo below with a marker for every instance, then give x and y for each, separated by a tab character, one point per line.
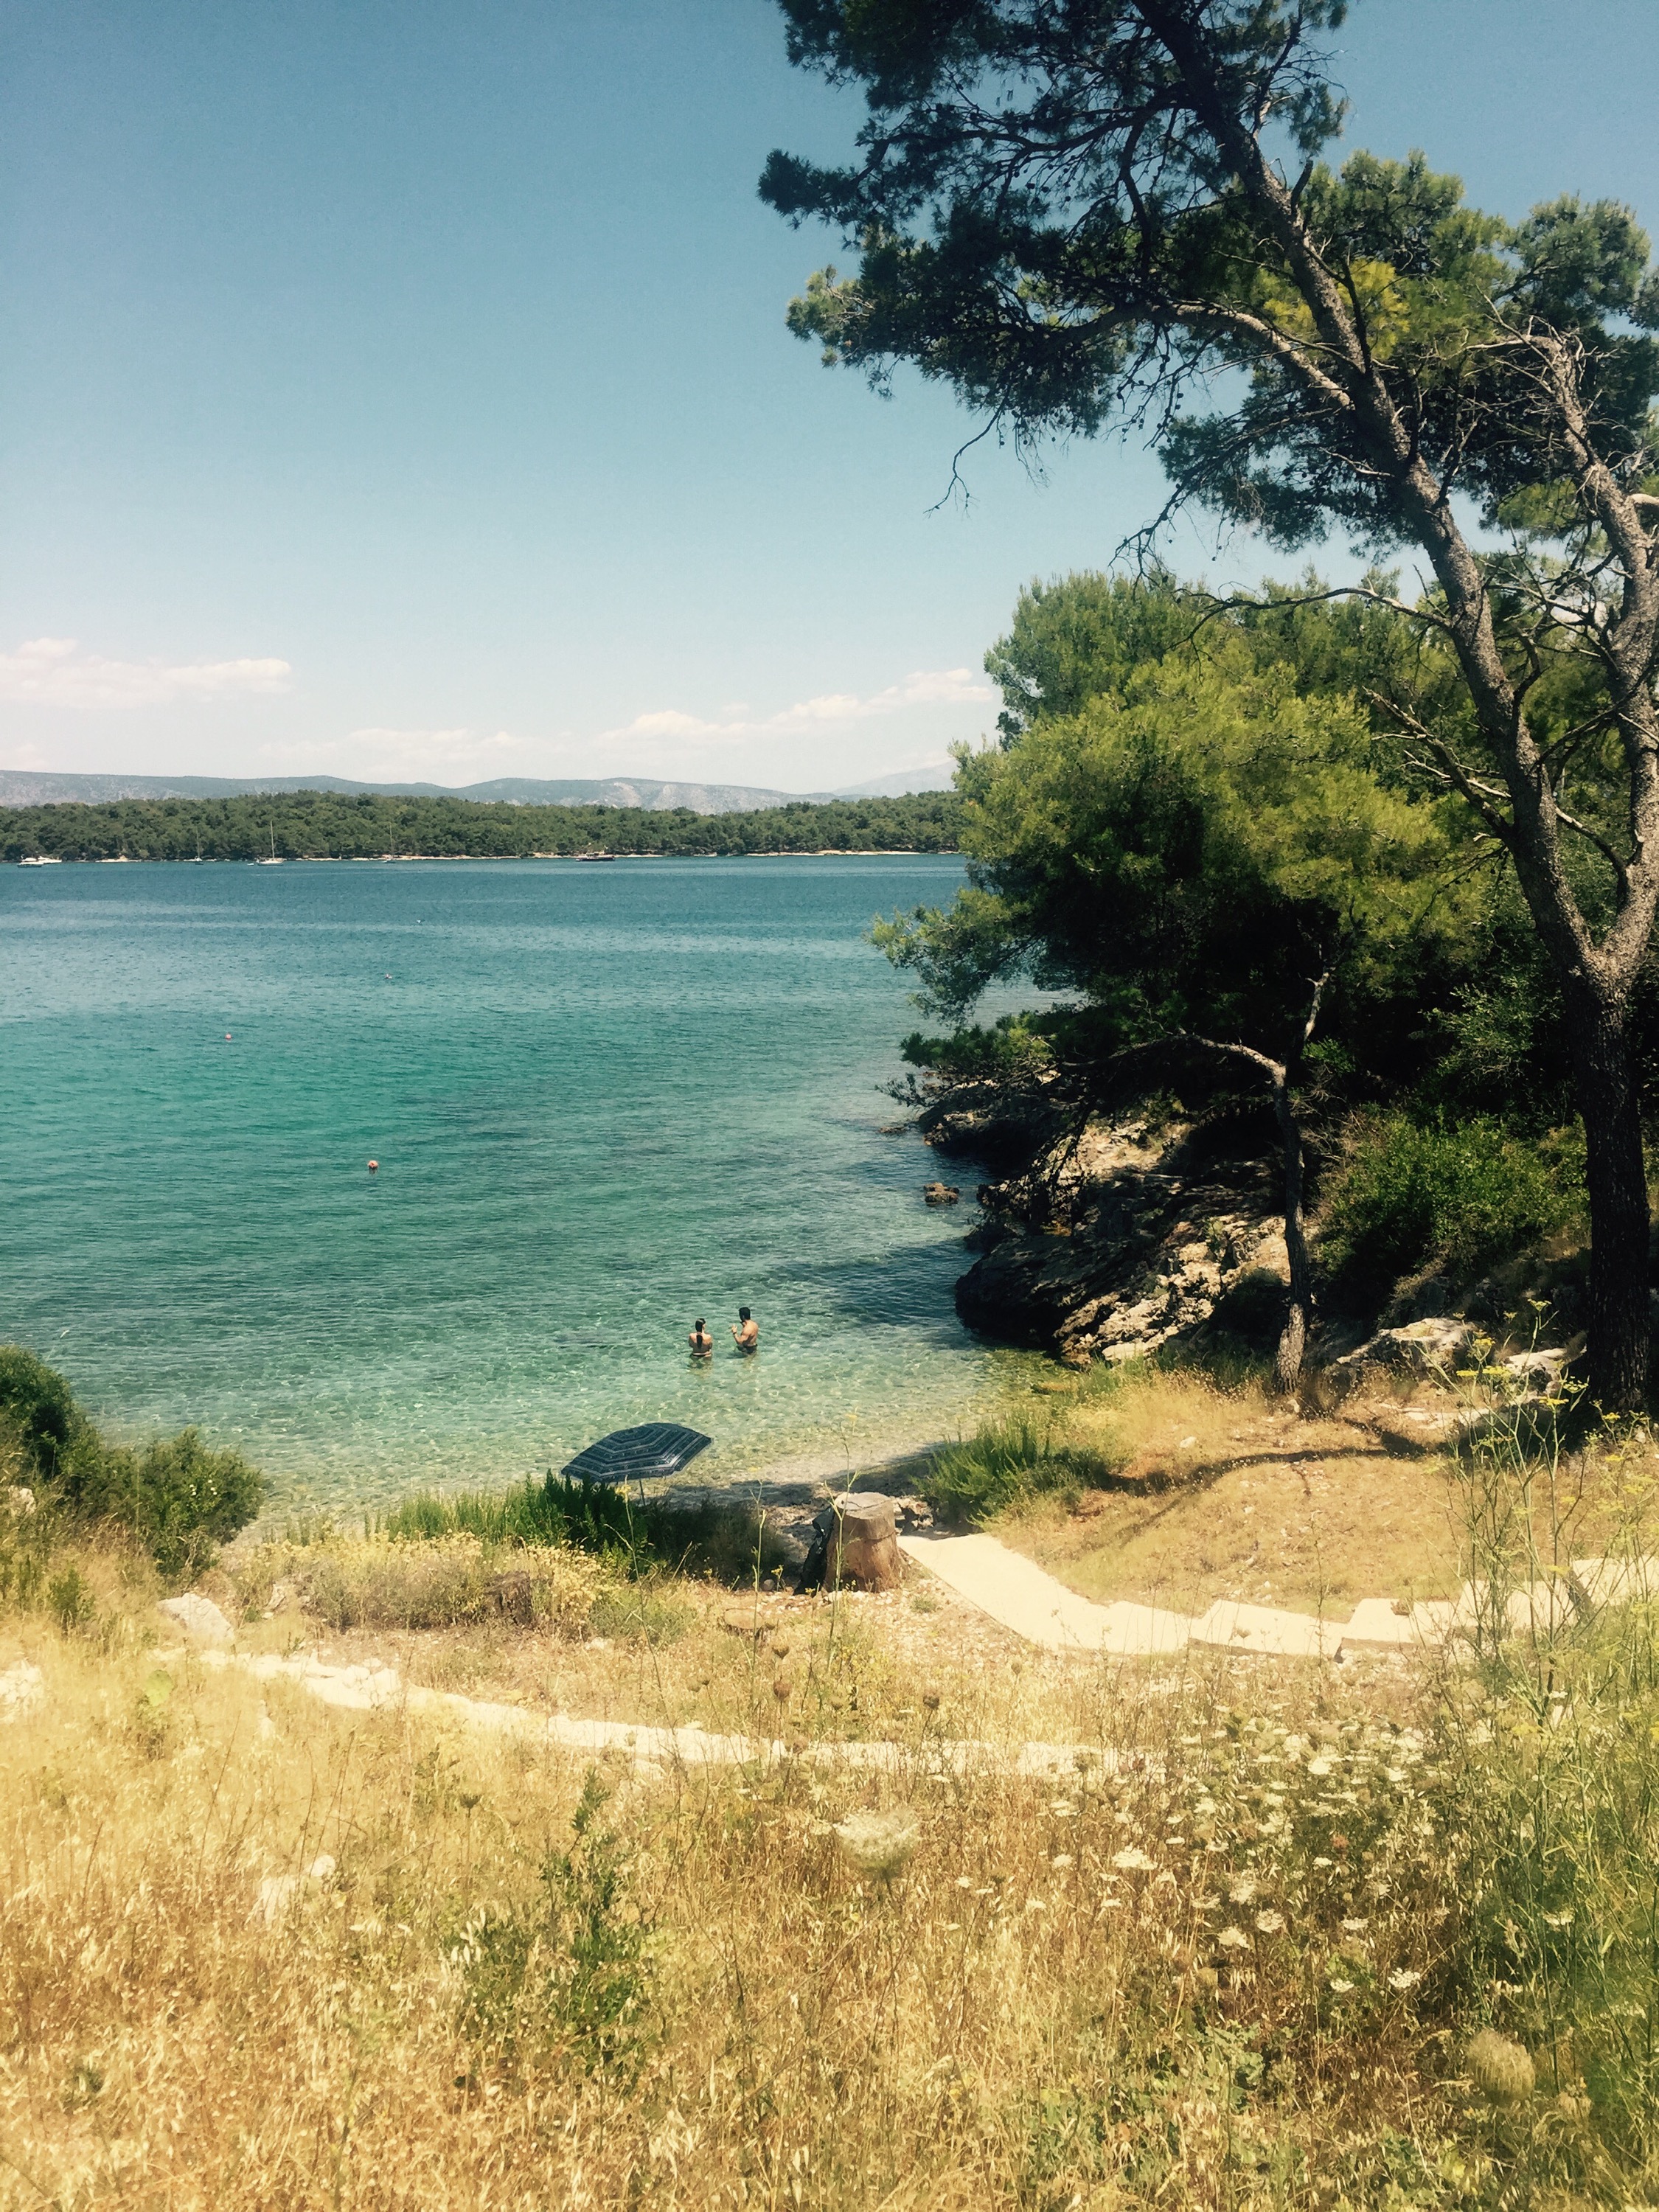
321	825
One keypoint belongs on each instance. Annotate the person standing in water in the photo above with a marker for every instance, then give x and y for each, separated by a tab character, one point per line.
745	1332
702	1345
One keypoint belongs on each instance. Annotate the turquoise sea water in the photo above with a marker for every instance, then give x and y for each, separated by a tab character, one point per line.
604	1099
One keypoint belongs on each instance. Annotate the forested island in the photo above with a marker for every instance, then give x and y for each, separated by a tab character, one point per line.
325	825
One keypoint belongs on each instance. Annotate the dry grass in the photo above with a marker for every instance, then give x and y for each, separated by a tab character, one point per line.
1224	1493
698	2000
257	1953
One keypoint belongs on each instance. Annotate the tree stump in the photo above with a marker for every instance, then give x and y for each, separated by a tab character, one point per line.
861	1545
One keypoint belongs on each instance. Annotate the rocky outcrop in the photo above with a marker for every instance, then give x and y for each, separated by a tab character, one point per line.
1114	1243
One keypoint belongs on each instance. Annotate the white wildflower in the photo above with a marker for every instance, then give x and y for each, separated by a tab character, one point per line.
1341	1987
1242	1891
1355	1927
1559	1919
1133	1861
1405	1977
1270	1922
1061	1861
878	1844
1233	1939
1320	1766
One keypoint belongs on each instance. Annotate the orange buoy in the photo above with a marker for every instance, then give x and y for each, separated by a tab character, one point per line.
374	1166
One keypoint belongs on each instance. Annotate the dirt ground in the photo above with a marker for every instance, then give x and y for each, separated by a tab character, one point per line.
1312	1515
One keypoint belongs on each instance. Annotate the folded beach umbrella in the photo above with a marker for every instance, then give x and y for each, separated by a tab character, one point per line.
634	1455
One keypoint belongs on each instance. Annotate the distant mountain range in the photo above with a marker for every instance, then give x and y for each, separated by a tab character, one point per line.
32	787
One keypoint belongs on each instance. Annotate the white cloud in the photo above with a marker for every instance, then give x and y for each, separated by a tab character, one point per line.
404	756
53	671
926	687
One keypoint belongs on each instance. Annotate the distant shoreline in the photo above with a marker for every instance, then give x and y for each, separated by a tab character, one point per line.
399	860
319	825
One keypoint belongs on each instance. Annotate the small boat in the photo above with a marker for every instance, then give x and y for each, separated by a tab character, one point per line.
275	858
40	861
633	1454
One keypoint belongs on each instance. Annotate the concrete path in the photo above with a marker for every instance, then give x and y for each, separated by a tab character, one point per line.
1024	1597
376	1687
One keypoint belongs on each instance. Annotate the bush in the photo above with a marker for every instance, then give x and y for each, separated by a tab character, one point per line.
1464	1199
969	1483
179	1498
445	1582
40	1412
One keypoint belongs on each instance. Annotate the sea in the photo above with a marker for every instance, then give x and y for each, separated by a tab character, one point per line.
606	1099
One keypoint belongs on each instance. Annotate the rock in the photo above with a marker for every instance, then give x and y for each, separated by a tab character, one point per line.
21	1690
1538	1372
941	1194
278	1890
199	1618
1431	1346
861	1543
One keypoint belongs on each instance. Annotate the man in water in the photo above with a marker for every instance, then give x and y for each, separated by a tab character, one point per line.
745	1333
702	1345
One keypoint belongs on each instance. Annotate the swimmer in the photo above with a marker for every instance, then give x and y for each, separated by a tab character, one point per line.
701	1343
745	1332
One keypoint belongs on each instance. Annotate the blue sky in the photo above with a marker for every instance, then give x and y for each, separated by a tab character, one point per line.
399	387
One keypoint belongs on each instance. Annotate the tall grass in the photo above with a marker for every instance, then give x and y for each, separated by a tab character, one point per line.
639	1536
1554	1731
1007	1462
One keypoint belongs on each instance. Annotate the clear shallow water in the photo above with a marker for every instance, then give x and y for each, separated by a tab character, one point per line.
604	1099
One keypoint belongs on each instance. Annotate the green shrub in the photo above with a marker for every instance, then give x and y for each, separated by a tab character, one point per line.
179	1498
41	1413
968	1483
1464	1199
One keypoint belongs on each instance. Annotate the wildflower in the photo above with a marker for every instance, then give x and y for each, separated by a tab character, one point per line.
1061	1861
1233	1939
1405	1977
1355	1927
1558	1919
1270	1922
1242	1891
1341	1987
1320	1766
1322	1862
878	1844
1500	2069
1133	1861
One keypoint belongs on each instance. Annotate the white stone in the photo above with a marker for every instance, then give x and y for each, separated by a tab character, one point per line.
199	1618
21	1690
278	1890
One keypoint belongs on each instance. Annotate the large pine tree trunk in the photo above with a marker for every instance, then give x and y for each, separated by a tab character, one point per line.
1609	1102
